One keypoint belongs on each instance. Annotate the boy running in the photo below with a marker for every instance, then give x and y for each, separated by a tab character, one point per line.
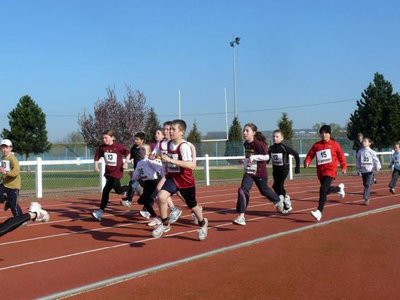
179	178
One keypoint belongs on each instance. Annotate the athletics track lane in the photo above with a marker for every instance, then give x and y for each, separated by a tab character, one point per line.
72	250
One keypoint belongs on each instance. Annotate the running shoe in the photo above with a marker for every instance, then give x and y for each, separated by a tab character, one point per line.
97	214
279	205
317	214
126	203
154	222
203	231
341	190
41	214
159	230
240	220
174	215
145	214
287	204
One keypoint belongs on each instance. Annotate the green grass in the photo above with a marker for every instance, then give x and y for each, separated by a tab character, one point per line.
89	179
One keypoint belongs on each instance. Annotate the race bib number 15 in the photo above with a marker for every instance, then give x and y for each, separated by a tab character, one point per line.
324	157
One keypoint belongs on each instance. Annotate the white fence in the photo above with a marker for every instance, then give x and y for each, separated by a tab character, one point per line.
39	163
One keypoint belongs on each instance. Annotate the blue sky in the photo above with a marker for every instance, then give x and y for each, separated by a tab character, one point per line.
310	59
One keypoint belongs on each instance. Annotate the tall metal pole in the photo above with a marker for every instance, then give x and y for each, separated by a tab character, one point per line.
233	44
234	84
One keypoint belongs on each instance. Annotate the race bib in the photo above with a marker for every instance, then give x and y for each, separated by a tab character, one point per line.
324	157
250	168
366	160
110	159
6	165
172	168
277	159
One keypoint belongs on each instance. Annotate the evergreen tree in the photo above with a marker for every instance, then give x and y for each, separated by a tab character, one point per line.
152	124
27	128
126	118
234	145
285	125
377	114
194	136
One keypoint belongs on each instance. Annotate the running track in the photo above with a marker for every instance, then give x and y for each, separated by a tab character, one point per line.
73	253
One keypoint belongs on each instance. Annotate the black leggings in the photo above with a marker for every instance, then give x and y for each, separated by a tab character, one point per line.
147	196
12	223
111	183
324	190
279	176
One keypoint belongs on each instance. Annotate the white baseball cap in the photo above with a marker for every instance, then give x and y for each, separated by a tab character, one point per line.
6	142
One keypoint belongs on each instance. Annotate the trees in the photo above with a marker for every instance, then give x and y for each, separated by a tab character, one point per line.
337	130
125	118
152	124
234	142
27	128
285	125
194	136
377	114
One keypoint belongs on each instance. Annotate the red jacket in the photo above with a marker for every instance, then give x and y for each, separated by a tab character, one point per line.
328	155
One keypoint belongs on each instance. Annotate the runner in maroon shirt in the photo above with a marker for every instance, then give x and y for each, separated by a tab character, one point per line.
112	153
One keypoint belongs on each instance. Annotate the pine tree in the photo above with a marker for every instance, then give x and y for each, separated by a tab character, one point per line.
27	128
285	126
234	145
152	124
194	136
377	114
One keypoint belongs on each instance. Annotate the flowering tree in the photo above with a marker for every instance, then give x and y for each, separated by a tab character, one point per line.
126	118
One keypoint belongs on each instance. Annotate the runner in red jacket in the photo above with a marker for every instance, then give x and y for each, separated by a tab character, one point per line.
328	154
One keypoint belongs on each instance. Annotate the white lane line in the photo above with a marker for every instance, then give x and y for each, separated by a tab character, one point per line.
133	275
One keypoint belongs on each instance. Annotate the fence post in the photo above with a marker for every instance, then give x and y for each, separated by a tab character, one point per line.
290	167
39	178
102	170
207	169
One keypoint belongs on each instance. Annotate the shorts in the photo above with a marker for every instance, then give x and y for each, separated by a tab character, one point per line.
188	194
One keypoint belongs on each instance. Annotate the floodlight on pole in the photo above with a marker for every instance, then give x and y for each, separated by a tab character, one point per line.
233	44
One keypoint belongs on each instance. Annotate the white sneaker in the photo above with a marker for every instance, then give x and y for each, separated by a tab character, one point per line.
203	231
159	231
97	214
194	218
316	214
126	203
341	191
279	205
287	204
145	214
240	220
174	215
41	214
154	222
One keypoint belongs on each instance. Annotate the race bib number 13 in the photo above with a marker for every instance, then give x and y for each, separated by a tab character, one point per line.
110	159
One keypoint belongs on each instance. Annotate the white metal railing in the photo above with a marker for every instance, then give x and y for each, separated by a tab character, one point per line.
39	163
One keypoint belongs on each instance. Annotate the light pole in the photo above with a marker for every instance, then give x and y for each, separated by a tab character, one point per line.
233	44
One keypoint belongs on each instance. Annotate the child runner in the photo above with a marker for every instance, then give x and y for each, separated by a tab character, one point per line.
113	153
36	213
148	172
328	153
157	137
134	186
367	163
179	178
158	151
10	178
255	170
279	155
395	165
